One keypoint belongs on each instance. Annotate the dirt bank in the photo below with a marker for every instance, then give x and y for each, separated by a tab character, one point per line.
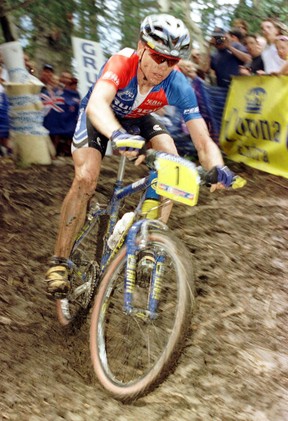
236	364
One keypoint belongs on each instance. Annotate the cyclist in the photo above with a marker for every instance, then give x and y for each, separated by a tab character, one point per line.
130	86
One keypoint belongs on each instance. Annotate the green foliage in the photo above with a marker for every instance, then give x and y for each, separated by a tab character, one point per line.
49	25
45	26
259	10
215	13
130	14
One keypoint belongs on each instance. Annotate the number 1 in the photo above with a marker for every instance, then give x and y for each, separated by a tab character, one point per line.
177	175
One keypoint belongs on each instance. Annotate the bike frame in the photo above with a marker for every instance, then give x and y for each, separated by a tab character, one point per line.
112	210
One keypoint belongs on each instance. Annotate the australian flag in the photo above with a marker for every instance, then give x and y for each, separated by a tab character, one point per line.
61	108
4	119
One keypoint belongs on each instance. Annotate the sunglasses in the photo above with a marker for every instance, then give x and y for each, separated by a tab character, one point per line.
159	59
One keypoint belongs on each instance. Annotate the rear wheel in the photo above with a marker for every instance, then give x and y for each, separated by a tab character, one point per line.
131	353
74	308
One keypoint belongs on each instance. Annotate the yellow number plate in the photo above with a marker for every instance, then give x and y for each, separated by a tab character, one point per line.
178	179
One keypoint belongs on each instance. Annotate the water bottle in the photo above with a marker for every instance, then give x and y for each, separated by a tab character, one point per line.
150	207
124	223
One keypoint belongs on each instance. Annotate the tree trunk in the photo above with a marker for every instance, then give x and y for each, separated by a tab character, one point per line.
6	29
5	23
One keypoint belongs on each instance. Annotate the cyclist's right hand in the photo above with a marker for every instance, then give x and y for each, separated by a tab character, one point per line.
128	144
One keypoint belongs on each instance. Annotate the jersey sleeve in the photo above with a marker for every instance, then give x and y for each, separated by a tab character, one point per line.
183	97
117	69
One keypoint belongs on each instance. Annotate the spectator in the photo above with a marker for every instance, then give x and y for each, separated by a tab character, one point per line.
188	68
261	41
242	25
61	105
55	82
254	49
272	61
282	46
282	49
197	59
229	55
196	56
74	84
65	80
236	36
30	65
46	76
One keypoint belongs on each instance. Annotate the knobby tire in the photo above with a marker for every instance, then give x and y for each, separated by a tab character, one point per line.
132	356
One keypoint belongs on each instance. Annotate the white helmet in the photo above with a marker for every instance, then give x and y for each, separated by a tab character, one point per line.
166	35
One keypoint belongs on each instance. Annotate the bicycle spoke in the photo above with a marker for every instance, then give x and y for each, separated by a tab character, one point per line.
136	343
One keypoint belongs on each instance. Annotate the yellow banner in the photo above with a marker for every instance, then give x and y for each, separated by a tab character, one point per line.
255	123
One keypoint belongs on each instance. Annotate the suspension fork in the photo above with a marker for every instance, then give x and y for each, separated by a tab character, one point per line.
156	285
131	264
130	270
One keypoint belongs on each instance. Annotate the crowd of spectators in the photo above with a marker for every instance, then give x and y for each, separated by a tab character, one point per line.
239	52
232	53
61	101
60	98
228	53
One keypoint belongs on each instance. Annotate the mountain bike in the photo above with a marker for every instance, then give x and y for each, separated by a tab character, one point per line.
141	276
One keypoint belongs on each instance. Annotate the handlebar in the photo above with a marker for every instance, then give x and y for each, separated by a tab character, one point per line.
207	177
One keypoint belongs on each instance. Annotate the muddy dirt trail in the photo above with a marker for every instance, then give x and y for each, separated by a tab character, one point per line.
235	366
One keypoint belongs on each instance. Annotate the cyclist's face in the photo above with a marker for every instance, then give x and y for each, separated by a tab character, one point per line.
156	67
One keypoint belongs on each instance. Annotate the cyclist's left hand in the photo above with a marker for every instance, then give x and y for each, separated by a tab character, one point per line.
220	178
128	144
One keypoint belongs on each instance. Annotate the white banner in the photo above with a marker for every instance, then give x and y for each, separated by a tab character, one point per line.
13	58
89	57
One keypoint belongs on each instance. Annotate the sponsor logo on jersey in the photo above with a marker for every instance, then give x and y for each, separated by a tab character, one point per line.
111	76
191	110
154	102
120	105
126	95
156	127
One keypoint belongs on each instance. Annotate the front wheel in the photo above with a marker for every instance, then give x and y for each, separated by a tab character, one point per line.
131	353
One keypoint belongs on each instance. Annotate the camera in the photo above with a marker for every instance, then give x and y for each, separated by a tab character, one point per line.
219	40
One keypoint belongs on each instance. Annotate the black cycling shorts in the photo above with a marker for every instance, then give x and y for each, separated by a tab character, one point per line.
147	126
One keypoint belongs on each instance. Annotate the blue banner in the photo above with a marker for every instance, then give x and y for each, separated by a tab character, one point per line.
4	119
211	101
61	108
